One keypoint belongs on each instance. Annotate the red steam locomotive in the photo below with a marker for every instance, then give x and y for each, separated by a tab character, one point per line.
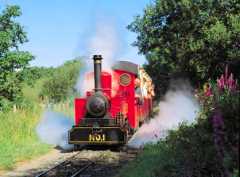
120	102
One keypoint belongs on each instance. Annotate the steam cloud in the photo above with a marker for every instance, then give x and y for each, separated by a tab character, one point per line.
104	42
179	105
53	129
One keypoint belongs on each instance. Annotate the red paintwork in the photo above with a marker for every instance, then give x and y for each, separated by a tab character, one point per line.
121	98
124	99
80	110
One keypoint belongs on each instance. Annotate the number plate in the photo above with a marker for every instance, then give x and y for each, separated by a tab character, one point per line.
97	137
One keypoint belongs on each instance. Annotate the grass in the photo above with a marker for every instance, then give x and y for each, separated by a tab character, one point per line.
145	164
18	140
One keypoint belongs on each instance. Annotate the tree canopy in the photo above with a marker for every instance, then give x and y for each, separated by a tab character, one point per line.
194	37
61	84
12	60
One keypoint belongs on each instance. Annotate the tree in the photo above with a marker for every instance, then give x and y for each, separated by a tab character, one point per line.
12	61
196	38
61	84
34	73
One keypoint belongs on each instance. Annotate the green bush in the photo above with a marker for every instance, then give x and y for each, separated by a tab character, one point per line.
186	38
61	84
33	74
220	101
209	147
5	104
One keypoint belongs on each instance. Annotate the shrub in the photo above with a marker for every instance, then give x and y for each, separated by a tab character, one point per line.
221	103
5	104
209	147
61	84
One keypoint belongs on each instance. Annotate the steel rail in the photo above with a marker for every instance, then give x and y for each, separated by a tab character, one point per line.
50	169
82	169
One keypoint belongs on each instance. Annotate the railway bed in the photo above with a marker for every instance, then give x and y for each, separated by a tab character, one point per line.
105	163
71	167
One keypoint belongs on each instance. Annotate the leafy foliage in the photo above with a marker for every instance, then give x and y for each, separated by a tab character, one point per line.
209	147
61	84
222	106
17	129
12	61
191	38
33	74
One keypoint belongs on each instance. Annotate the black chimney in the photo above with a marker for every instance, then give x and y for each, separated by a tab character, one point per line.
97	71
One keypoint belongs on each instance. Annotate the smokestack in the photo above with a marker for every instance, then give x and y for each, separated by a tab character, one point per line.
97	71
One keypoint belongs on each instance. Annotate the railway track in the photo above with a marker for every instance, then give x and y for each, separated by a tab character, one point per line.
76	166
71	167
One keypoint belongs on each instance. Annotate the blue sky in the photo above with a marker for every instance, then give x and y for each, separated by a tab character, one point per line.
59	30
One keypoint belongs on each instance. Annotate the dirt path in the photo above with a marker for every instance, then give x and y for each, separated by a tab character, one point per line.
110	162
29	167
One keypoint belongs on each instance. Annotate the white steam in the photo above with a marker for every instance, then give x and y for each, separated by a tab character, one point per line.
179	105
104	42
53	129
85	83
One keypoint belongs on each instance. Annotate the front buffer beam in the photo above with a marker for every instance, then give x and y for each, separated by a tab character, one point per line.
81	135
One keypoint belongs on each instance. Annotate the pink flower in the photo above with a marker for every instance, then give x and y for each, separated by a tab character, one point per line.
221	83
227	82
232	84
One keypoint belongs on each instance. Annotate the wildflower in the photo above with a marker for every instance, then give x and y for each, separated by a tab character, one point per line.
221	83
207	90
227	82
232	83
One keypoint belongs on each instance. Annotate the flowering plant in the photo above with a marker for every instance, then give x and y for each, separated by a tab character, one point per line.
220	104
220	93
227	82
209	146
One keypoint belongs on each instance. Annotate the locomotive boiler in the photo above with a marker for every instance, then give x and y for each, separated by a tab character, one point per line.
119	103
